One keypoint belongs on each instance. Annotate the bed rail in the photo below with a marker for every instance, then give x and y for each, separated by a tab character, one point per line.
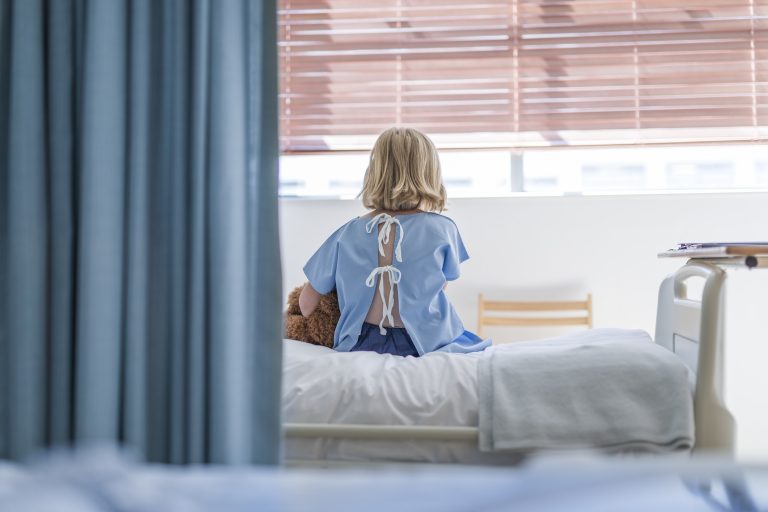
693	329
380	432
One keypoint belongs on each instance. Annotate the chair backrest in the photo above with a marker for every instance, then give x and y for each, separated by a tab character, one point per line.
533	313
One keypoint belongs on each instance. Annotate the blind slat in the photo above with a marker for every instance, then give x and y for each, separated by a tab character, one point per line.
522	73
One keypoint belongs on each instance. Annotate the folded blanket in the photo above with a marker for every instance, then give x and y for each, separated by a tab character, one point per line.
612	389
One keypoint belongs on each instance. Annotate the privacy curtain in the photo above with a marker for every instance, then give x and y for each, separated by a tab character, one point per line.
139	263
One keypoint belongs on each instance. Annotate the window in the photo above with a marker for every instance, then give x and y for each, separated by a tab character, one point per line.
761	172
341	175
522	77
646	169
548	172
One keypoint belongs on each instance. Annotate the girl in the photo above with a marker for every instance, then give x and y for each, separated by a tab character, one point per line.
390	267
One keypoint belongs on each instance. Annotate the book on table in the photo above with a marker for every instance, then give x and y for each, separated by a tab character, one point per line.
717	249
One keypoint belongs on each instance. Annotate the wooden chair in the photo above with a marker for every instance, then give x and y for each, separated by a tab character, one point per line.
533	314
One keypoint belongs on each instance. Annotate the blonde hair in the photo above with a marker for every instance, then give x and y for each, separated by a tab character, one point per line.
403	173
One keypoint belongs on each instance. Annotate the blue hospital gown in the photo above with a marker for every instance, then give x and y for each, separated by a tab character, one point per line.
431	250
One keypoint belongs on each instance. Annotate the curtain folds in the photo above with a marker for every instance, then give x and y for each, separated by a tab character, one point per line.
139	261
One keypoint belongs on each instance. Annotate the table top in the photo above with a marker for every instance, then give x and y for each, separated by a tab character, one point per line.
750	254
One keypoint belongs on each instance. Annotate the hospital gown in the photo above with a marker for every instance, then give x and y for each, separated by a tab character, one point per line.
427	254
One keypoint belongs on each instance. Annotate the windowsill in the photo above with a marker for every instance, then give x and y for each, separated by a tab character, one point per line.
563	195
582	173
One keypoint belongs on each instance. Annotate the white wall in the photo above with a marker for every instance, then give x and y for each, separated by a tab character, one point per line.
546	246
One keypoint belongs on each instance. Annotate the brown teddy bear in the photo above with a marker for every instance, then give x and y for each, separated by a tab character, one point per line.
317	328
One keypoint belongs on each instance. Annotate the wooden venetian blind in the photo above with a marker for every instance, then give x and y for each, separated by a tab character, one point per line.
523	73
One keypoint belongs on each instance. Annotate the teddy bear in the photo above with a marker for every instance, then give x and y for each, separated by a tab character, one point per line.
317	328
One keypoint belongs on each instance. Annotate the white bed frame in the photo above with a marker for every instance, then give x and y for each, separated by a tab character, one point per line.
691	328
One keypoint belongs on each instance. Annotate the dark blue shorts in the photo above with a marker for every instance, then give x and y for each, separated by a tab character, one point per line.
397	341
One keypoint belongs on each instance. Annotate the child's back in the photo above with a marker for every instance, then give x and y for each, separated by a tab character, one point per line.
390	267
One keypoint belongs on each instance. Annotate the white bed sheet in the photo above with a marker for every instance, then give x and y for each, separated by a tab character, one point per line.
321	385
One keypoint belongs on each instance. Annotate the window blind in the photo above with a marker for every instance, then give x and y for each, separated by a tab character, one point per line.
523	73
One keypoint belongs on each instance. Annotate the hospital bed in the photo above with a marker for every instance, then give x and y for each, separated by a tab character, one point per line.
104	480
365	427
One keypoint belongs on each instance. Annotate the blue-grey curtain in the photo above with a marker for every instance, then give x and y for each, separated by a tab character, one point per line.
140	290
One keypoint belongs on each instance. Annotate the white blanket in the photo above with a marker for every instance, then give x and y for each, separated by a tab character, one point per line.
603	388
321	385
324	386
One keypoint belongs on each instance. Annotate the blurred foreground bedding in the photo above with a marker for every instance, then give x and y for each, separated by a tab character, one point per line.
104	480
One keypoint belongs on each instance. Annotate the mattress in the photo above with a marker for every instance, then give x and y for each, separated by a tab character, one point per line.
321	385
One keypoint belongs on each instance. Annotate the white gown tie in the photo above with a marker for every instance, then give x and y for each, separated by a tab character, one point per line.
388	221
394	273
387	305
